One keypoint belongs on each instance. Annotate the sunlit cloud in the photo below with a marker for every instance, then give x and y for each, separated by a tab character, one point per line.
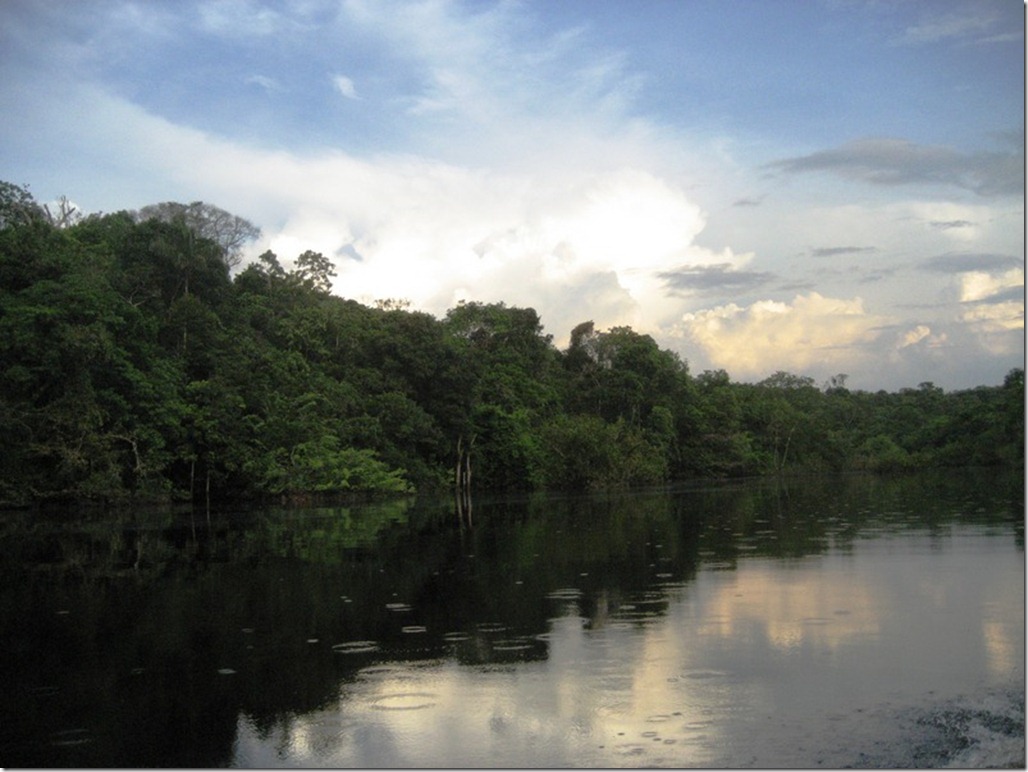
812	331
920	337
981	285
916	335
507	152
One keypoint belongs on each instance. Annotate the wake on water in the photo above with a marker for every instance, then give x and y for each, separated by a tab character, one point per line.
986	732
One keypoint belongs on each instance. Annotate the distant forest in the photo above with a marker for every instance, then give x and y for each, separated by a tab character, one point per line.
140	363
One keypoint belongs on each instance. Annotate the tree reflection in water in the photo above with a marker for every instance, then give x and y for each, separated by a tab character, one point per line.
605	630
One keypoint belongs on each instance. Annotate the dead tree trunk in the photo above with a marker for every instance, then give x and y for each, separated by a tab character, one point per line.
462	480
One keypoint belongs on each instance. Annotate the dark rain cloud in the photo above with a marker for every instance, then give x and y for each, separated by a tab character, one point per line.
945	225
713	277
350	251
874	278
836	251
962	262
888	161
743	202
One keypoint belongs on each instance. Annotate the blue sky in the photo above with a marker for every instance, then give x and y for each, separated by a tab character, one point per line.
818	186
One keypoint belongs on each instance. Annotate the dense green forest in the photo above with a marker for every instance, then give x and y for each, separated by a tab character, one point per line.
140	362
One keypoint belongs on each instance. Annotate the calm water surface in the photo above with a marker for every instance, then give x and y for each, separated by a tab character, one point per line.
832	622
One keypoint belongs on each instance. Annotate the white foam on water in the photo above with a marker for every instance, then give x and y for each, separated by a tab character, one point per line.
984	731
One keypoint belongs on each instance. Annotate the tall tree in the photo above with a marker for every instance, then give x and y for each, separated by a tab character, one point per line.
230	232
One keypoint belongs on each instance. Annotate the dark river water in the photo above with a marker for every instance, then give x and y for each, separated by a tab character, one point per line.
842	622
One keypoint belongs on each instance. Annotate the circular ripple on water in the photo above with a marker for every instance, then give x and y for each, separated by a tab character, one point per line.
658	719
414	629
69	737
456	637
513	644
398	607
405	701
629	749
565	593
490	627
695	726
701	675
355	647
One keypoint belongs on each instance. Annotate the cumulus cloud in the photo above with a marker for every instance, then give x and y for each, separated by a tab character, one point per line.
890	161
998	328
921	336
996	317
345	86
993	309
976	286
529	176
812	332
914	336
580	234
436	234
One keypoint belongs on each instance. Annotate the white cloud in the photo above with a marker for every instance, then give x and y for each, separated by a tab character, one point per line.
914	336
265	82
345	86
949	26
533	178
980	285
812	333
996	317
238	18
436	234
918	343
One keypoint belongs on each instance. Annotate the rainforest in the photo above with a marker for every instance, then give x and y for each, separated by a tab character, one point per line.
142	361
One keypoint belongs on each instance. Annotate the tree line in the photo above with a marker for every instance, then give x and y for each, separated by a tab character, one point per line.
139	362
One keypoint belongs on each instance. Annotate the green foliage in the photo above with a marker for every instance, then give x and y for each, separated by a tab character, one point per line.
881	454
314	271
585	452
321	466
206	221
135	365
18	207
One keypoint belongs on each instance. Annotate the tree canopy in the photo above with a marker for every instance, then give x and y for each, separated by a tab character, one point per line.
137	365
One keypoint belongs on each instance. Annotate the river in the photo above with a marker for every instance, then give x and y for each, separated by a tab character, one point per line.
856	621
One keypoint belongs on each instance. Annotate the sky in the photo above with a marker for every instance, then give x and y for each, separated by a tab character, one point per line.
822	187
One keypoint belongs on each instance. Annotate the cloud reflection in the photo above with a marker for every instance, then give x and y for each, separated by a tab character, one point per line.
691	674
